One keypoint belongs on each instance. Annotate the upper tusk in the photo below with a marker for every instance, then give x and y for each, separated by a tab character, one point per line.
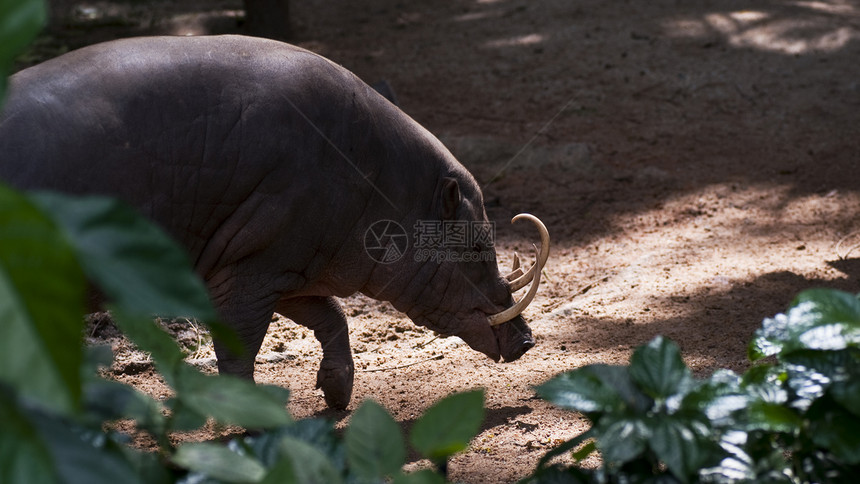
517	271
518	282
516	309
514	275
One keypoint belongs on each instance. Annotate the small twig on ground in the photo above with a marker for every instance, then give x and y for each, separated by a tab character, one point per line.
584	289
421	345
436	357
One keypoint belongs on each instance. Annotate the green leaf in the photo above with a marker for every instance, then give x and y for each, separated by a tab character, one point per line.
143	331
424	476
737	466
232	400
836	429
41	306
683	444
20	21
812	373
773	417
317	432
594	389
183	418
831	306
283	472
109	400
659	369
140	269
568	446
77	454
218	461
448	426
821	319
847	393
621	439
583	453
302	463
23	455
718	398
374	443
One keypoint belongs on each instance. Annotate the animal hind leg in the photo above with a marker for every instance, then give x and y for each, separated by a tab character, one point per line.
326	318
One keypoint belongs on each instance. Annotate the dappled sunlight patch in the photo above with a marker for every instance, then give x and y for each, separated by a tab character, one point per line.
812	28
517	41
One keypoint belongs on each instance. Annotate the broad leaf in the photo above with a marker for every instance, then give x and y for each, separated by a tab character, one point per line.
374	443
737	466
683	444
772	417
232	400
20	21
831	306
424	476
41	306
109	400
821	319
318	432
568	446
23	455
184	418
621	439
140	269
302	463
811	373
847	393
218	461
80	455
659	369
143	331
448	426
718	398
594	389
836	429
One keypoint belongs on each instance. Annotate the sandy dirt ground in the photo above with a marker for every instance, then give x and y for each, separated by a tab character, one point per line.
697	164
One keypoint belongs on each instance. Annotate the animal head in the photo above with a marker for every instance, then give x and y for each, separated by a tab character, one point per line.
446	276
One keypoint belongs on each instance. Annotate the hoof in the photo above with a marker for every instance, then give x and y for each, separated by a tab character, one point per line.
335	379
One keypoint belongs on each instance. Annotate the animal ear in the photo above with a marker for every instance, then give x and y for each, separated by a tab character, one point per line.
450	198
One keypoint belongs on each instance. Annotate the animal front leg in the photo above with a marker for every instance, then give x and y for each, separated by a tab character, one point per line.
326	318
251	330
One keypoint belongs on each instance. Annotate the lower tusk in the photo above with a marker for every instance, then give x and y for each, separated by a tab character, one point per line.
517	309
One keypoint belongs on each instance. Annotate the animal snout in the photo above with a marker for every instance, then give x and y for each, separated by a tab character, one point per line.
519	351
515	338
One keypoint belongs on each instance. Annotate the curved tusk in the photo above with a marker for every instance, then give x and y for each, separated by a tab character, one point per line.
519	282
516	271
516	309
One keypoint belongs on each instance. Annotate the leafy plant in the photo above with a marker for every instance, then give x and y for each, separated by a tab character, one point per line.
793	420
20	21
56	405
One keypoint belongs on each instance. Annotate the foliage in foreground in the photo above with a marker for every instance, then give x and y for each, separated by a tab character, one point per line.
793	419
54	404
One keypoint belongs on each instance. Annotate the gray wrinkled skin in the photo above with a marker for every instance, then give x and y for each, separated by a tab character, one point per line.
268	163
